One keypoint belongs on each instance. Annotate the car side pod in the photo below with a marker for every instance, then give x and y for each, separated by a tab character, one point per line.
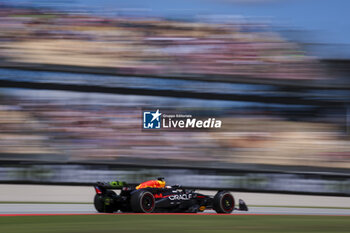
242	206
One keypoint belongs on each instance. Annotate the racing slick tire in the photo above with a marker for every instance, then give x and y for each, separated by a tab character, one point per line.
104	202
223	202
142	201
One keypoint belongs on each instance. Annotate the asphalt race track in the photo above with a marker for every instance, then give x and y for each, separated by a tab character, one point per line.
9	209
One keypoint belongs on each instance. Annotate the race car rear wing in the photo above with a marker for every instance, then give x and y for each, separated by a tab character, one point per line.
102	186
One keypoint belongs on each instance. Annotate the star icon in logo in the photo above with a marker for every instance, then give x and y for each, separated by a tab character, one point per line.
156	115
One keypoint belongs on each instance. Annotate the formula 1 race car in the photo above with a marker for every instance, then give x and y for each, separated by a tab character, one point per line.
154	196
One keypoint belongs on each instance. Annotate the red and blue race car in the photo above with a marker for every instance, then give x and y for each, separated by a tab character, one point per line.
154	196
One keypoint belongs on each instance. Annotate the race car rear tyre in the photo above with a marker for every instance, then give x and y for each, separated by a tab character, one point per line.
223	202
104	202
142	201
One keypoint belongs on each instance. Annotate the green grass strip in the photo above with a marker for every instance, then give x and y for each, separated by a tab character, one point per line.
175	224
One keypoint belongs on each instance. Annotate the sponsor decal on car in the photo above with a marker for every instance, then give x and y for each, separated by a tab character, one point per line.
180	197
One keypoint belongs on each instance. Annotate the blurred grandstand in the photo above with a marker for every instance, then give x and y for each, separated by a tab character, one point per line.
150	46
94	127
276	121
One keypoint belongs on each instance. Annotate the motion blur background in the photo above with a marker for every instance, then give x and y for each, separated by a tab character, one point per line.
75	76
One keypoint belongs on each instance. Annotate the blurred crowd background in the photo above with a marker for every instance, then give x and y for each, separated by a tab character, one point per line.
98	127
296	114
151	46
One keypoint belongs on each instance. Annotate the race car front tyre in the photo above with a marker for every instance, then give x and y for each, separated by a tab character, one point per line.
142	201
223	202
104	202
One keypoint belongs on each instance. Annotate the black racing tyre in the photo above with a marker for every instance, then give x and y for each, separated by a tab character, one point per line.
142	201
223	202
104	202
